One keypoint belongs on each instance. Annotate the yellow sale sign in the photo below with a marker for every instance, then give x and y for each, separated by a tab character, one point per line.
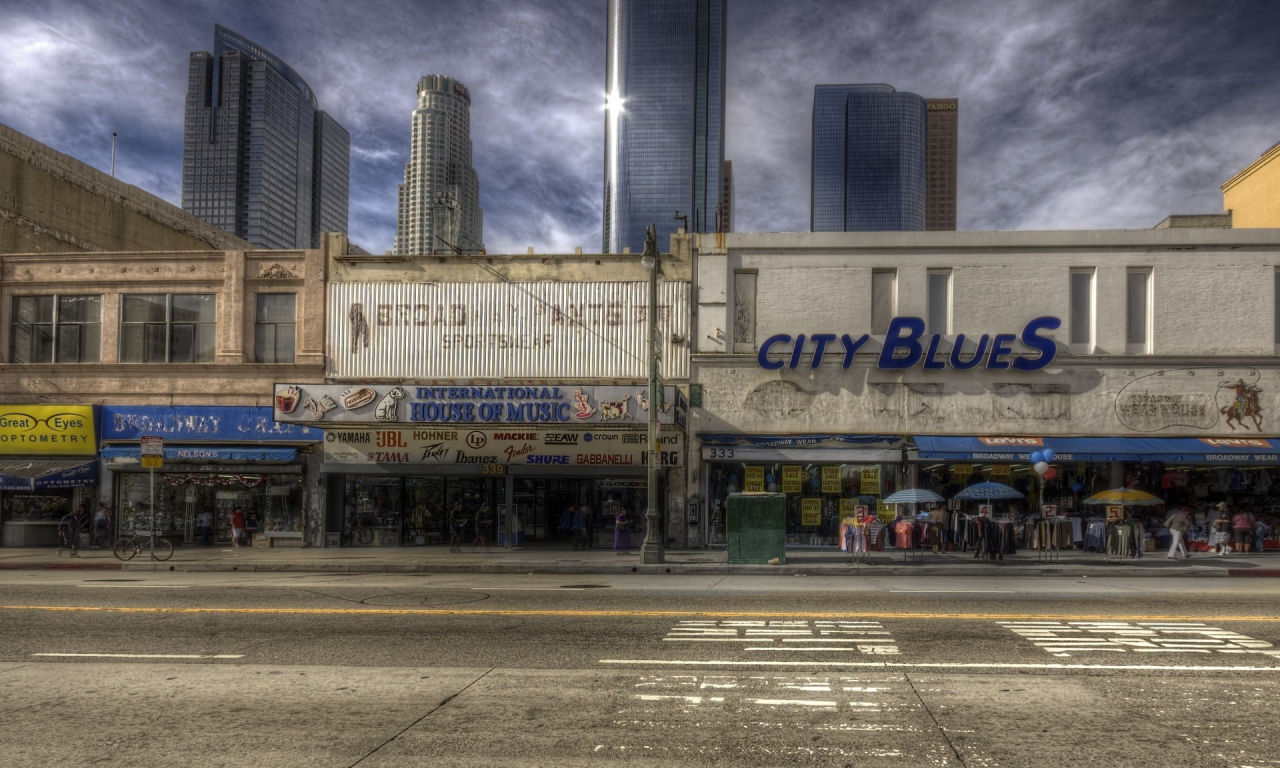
792	478
830	479
811	511
871	481
755	480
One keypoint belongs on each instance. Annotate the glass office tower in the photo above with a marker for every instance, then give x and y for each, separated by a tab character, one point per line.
664	119
869	157
260	159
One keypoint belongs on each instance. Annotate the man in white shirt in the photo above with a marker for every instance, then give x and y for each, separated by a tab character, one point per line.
204	526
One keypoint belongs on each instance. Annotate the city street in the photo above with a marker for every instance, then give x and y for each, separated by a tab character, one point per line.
265	669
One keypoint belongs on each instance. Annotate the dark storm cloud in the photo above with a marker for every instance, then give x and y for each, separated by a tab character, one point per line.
1073	114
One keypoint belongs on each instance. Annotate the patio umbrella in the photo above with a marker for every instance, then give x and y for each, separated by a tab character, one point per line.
1124	497
913	496
988	491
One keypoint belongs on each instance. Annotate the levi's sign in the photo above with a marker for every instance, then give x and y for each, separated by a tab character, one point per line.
905	346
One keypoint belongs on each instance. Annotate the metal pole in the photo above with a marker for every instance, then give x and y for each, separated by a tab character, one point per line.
651	551
511	511
113	154
153	513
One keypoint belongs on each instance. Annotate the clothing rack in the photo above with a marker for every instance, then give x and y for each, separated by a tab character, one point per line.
1125	539
907	536
856	539
1047	536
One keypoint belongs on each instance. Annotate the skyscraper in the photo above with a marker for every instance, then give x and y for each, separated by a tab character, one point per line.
440	198
260	158
726	201
868	163
940	166
664	118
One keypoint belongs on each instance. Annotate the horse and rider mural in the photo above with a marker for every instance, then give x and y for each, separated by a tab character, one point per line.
1245	405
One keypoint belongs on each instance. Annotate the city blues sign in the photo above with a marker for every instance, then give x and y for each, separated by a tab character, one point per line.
906	346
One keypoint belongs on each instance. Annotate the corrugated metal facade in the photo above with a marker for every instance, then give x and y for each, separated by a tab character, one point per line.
560	331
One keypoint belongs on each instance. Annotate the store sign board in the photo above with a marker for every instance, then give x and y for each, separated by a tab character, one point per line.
497	446
754	482
1001	471
153	462
66	430
792	478
206	423
1050	510
811	511
906	346
371	404
871	481
151	446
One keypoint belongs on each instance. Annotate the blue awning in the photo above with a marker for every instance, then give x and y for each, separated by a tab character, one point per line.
205	453
1200	450
799	441
47	474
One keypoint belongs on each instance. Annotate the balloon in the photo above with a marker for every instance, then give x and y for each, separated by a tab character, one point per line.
1048	454
733	478
1037	457
768	478
1041	467
1050	473
1077	487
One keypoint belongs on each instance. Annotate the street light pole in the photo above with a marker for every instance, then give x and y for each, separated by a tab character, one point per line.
651	551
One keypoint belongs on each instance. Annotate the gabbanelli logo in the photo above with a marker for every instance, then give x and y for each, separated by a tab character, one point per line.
1012	441
1236	442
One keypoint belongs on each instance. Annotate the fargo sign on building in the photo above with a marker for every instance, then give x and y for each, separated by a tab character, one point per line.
906	346
540	330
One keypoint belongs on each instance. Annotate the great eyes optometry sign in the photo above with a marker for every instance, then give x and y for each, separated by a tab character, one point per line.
906	346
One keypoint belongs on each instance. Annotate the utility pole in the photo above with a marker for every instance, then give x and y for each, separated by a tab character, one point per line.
651	551
113	154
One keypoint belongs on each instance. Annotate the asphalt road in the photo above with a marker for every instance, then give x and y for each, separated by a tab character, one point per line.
388	670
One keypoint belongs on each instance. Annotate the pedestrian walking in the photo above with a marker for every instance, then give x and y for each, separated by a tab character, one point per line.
457	527
621	532
101	526
1242	529
566	522
484	518
237	527
1178	524
1221	536
580	540
204	527
71	525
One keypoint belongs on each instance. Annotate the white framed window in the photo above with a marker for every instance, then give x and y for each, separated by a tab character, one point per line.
274	329
167	327
1138	300
884	299
55	329
1083	300
939	302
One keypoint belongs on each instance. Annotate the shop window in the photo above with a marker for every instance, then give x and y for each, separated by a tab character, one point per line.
372	511
168	328
274	331
1138	312
1082	300
744	311
884	299
188	502
56	329
425	511
939	289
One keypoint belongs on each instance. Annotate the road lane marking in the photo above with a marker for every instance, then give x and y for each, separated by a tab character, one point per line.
144	655
952	592
588	614
527	589
790	636
1065	638
938	665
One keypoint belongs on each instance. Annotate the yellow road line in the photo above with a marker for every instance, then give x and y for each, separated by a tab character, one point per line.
638	614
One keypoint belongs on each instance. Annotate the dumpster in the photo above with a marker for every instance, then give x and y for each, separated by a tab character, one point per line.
755	527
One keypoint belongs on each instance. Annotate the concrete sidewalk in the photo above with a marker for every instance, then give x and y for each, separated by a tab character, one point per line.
557	558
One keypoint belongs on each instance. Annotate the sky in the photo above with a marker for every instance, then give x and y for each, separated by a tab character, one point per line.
1074	114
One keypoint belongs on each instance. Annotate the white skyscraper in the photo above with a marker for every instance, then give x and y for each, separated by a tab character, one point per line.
440	196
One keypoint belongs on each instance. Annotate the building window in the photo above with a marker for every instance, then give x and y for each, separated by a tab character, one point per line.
939	319
56	329
884	299
168	328
1138	312
744	311
274	329
1082	310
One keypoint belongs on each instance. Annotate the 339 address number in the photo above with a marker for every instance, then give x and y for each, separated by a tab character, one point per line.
495	469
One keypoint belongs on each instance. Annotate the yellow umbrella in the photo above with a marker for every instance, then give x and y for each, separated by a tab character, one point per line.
1124	497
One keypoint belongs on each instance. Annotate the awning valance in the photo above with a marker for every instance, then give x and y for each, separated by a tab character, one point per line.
1198	450
47	474
205	453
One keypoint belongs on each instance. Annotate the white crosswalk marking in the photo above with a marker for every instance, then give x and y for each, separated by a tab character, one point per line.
861	637
1065	638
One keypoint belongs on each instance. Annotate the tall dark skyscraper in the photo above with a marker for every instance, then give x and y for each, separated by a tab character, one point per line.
664	118
260	158
869	156
940	184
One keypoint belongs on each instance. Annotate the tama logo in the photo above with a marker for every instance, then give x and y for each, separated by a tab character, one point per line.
560	439
1014	441
1236	442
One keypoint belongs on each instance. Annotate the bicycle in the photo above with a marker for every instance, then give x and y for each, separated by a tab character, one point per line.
127	547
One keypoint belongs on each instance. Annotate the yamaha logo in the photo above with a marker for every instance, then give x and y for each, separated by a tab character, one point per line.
476	440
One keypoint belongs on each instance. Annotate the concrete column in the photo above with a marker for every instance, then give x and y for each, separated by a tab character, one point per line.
314	501
231	310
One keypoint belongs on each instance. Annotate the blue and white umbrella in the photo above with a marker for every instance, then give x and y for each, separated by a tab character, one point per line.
913	496
988	491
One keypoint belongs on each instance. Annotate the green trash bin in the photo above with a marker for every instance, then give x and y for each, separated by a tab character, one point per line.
756	527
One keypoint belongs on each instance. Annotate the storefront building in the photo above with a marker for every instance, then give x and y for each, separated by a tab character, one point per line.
48	468
216	458
857	364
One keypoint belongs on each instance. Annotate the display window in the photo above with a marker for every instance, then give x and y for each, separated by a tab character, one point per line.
197	506
818	495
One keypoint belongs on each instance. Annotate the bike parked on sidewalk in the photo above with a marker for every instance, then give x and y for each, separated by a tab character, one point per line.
129	546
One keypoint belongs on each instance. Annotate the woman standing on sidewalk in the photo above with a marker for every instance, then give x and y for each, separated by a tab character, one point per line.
1242	529
621	532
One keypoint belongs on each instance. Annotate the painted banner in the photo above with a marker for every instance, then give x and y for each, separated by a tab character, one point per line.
66	430
754	482
811	511
792	478
503	330
324	404
870	481
488	445
831	479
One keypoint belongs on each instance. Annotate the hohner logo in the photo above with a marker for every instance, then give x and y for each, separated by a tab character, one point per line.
1236	442
1012	441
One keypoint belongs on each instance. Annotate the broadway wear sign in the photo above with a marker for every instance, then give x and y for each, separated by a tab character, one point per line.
539	330
323	404
489	445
